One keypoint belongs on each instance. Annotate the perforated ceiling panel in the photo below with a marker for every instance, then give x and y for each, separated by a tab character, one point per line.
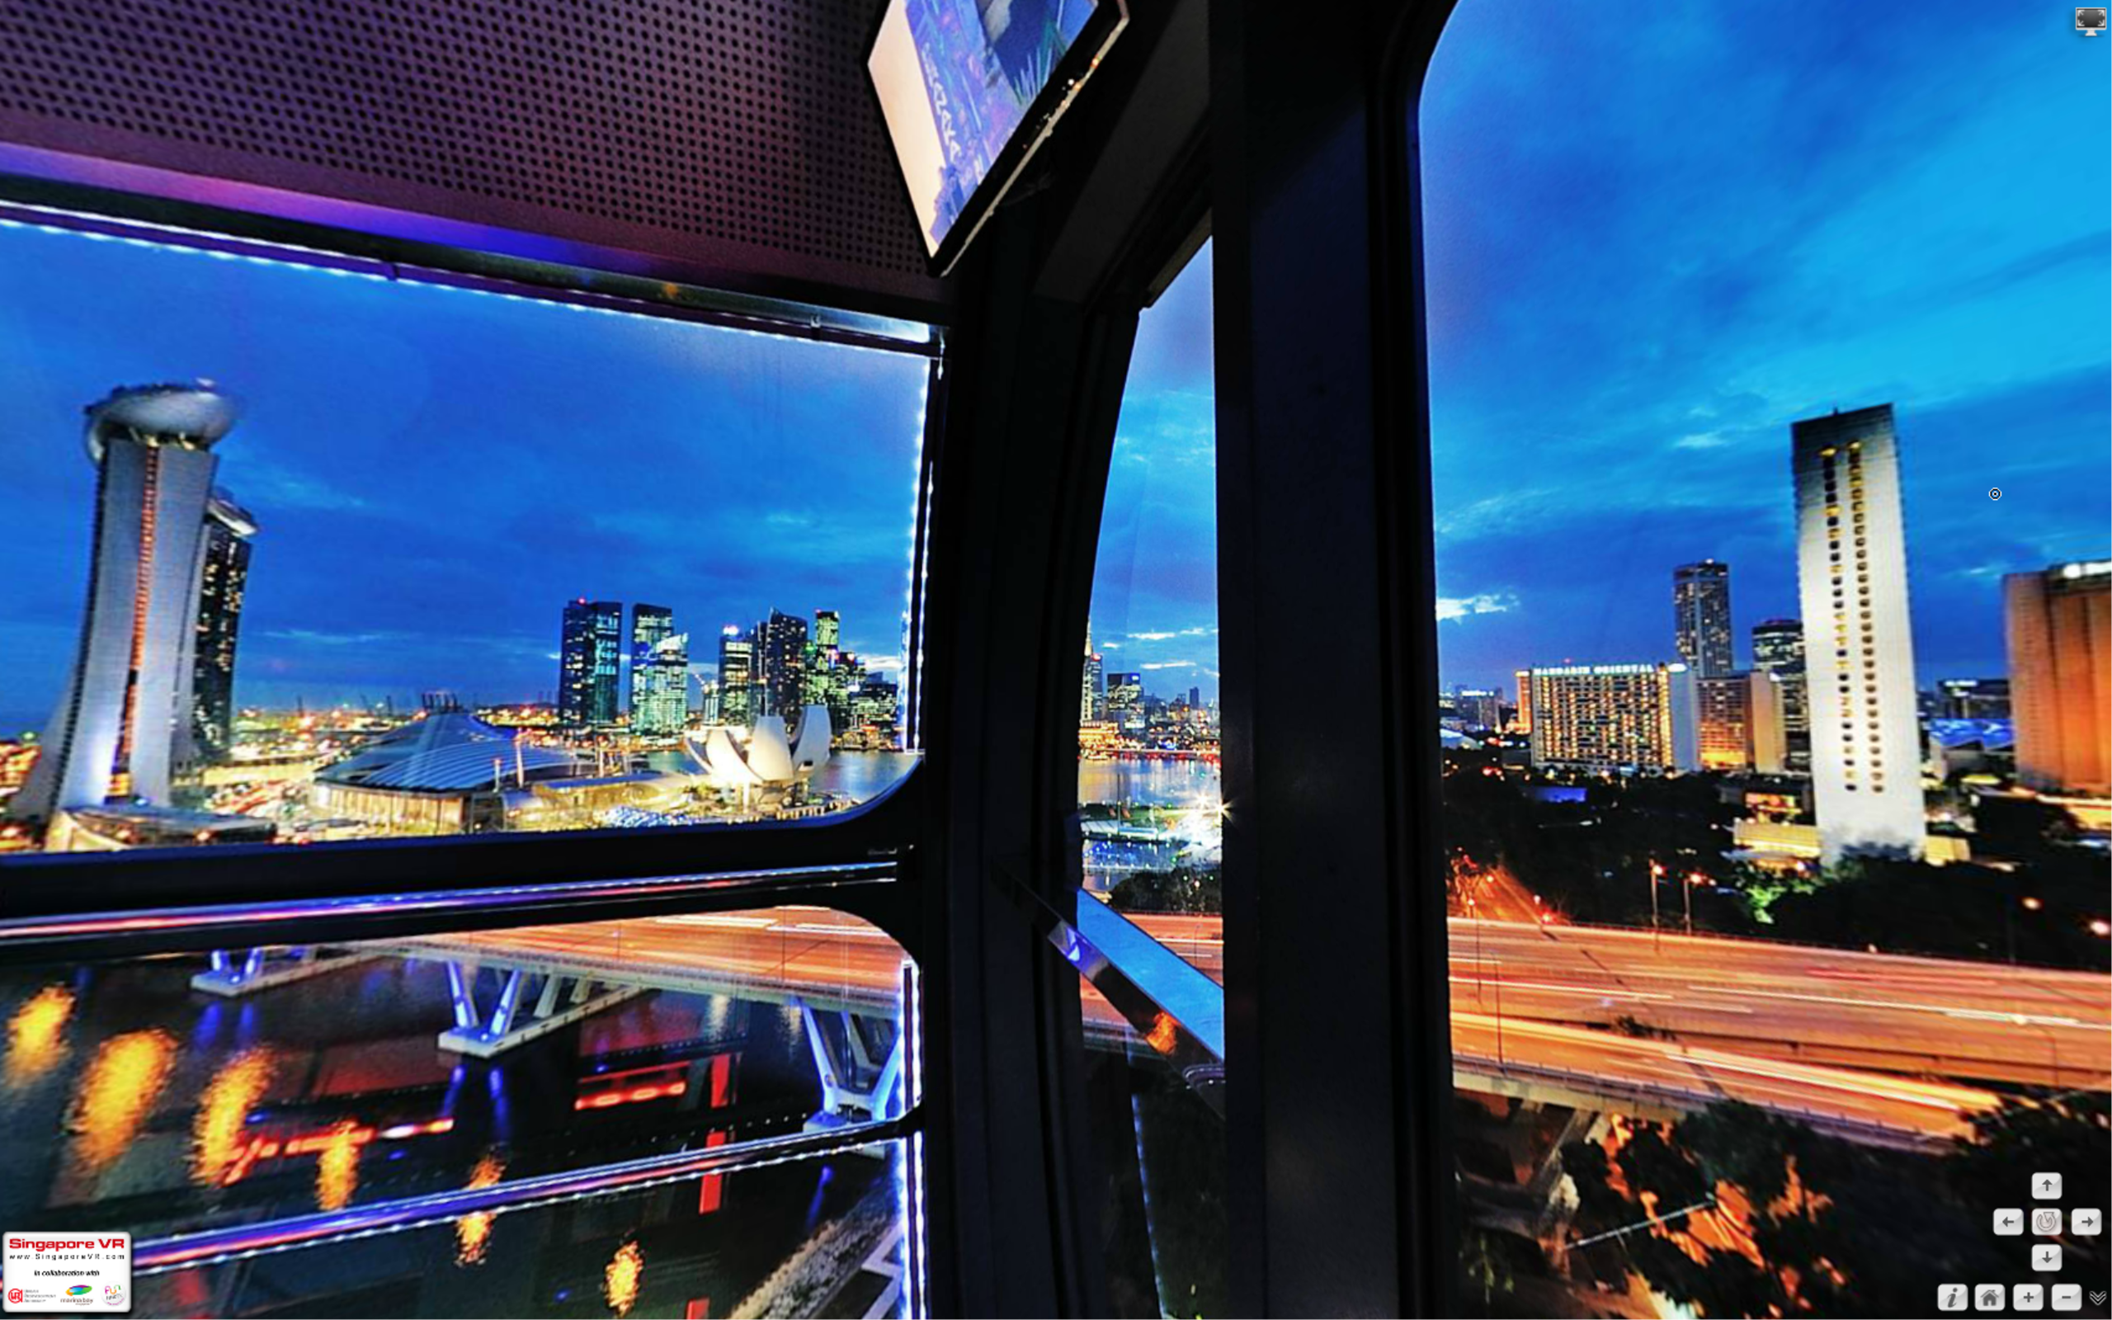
735	134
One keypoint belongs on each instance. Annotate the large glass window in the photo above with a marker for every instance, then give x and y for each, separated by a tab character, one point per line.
1773	623
657	1113
309	552
1149	805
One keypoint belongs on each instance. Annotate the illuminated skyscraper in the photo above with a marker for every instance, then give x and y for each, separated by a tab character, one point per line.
1701	617
1479	708
828	629
590	661
1092	690
1778	649
659	672
1859	640
781	646
737	704
128	703
1724	713
1125	700
223	575
2060	665
1605	717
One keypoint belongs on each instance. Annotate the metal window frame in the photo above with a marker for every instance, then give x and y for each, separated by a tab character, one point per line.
1338	1031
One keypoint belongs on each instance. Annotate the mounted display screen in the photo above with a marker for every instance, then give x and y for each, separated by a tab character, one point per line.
970	88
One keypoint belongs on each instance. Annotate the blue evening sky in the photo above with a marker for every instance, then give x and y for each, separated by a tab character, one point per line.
436	471
1657	234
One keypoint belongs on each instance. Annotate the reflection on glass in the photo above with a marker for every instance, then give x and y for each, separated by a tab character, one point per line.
816	1236
1776	850
116	1094
219	1130
473	1231
307	555
35	1035
619	1282
201	1094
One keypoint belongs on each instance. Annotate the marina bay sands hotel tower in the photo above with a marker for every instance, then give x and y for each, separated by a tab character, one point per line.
168	555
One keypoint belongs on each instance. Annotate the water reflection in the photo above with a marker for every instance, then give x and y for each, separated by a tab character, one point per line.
219	1135
34	1034
117	1092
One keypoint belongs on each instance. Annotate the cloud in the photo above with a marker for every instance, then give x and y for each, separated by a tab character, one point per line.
1459	607
1169	664
1701	440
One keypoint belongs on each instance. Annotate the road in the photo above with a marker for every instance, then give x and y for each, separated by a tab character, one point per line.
1846	1038
1885	1012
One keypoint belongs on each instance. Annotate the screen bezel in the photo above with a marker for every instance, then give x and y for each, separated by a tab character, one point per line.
1109	19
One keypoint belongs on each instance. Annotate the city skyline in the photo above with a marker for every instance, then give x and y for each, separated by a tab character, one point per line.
437	467
1680	304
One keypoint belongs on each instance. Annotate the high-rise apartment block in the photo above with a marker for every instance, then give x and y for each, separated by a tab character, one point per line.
2060	663
1858	636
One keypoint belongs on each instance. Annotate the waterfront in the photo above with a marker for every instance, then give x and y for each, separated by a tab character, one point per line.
1122	787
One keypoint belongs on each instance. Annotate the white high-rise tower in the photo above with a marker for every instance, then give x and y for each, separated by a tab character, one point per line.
1858	635
128	701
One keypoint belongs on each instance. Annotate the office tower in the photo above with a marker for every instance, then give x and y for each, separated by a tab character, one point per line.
780	654
737	704
1125	700
1602	717
1479	708
590	660
650	624
1195	697
129	700
1723	712
1778	649
2060	661
1973	698
659	672
828	630
1092	698
1522	716
1859	641
1701	617
223	575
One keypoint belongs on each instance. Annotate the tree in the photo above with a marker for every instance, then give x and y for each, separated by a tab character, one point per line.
1838	1228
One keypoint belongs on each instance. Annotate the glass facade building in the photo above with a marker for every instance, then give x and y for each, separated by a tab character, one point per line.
590	664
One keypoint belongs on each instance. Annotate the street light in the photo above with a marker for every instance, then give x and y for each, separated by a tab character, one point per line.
1686	893
1657	873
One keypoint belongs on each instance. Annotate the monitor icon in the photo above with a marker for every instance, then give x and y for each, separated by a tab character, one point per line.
2090	22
